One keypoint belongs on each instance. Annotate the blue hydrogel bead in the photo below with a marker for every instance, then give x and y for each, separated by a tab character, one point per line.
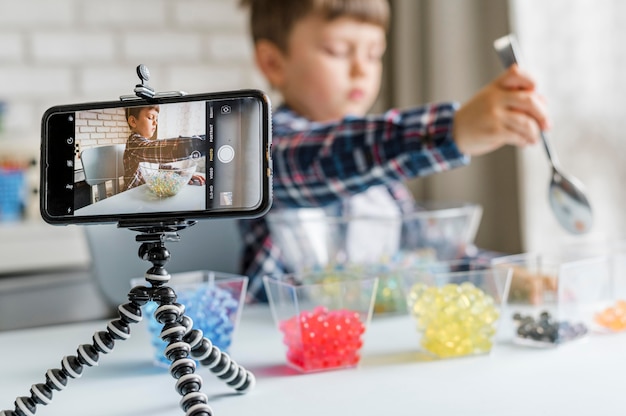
212	310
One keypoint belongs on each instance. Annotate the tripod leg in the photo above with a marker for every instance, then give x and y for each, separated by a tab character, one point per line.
217	361
169	313
72	365
183	342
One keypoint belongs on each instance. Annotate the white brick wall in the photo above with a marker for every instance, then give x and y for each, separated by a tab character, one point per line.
66	51
100	127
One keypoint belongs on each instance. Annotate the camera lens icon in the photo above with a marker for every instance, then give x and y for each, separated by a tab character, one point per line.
225	109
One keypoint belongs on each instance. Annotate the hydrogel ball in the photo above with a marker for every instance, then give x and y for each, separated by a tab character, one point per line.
323	339
213	311
454	320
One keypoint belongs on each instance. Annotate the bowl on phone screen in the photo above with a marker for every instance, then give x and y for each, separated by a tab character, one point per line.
167	179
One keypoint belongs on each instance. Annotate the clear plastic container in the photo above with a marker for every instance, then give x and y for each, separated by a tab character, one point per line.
554	297
12	194
457	313
322	320
318	241
213	300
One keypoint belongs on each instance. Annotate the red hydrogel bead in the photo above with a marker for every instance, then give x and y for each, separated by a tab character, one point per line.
322	339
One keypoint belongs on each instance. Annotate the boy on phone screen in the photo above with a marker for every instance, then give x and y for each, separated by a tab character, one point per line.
325	58
141	145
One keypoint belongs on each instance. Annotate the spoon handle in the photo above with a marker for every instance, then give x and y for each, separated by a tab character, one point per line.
551	155
507	49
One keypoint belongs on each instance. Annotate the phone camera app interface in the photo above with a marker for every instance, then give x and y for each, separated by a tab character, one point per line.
192	156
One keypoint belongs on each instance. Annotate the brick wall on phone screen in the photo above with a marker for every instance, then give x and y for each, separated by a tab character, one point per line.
101	127
68	51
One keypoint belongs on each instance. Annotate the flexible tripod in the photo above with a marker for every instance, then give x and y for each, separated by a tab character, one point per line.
184	342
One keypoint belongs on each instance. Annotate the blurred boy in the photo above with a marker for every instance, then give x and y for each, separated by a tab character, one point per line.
325	58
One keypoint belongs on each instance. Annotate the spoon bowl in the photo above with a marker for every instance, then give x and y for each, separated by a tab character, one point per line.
570	204
567	198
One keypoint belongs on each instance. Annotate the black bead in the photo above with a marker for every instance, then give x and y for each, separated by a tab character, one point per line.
545	316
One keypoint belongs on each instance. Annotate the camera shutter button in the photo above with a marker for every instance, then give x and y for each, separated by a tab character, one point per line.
225	153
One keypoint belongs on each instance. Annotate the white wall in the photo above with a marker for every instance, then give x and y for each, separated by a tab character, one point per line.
65	51
69	51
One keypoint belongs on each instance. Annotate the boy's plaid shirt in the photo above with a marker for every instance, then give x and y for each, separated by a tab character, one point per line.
317	164
140	149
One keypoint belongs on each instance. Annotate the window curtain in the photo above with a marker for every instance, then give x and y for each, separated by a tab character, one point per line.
441	50
577	51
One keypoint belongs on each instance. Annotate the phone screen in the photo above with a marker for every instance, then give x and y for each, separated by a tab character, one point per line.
189	157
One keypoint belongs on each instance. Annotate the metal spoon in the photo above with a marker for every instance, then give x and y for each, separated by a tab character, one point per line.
567	199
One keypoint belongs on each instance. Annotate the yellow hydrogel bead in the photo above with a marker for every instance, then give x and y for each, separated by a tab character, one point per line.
455	320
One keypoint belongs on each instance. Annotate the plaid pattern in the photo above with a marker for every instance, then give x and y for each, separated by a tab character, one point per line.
318	164
140	149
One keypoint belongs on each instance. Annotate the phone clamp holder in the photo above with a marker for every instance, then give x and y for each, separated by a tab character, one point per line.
146	92
185	344
143	90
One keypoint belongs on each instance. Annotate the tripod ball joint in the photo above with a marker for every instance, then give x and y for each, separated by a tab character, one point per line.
139	295
154	252
158	255
166	296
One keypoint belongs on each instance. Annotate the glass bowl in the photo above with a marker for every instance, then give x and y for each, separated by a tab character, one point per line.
165	180
316	240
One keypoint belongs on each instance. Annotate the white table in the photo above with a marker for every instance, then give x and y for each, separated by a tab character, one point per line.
141	200
581	378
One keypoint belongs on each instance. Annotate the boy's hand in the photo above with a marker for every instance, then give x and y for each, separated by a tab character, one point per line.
506	111
198	180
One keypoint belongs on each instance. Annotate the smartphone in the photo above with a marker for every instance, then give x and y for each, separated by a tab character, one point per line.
183	157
